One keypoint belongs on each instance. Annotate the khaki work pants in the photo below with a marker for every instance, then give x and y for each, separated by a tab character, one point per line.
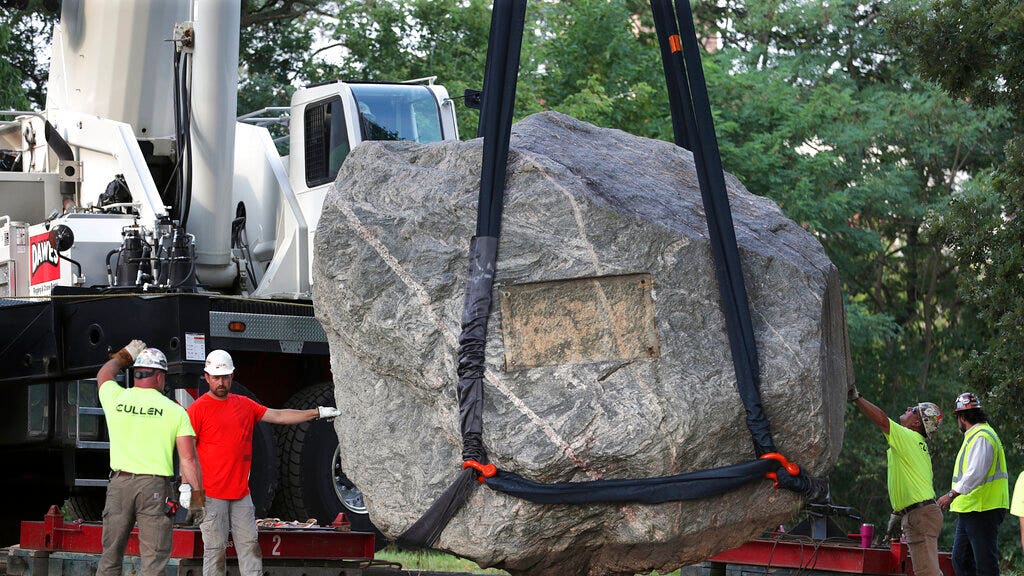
238	517
135	500
921	527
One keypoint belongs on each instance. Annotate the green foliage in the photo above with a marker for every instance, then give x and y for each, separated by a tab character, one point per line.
12	94
984	229
270	61
431	560
818	108
398	41
23	35
588	59
859	165
973	48
982	59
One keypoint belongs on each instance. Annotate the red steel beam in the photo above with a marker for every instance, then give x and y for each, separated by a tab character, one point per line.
827	557
54	534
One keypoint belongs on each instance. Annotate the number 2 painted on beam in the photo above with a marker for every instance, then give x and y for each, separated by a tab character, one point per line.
276	550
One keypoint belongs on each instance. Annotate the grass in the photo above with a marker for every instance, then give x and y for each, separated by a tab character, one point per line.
432	560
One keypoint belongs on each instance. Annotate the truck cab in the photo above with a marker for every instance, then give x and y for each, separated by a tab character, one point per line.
336	117
325	123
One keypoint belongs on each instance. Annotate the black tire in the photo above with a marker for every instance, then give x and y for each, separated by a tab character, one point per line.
313	485
266	467
86	504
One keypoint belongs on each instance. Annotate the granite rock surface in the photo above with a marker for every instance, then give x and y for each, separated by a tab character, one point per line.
607	349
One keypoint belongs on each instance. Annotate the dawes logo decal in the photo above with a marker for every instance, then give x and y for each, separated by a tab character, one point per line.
45	260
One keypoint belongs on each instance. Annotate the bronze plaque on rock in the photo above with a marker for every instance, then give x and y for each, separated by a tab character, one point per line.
579	320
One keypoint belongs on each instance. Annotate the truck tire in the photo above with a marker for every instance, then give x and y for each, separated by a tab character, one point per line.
86	504
265	472
313	484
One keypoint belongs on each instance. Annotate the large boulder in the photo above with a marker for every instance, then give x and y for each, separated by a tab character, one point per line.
607	353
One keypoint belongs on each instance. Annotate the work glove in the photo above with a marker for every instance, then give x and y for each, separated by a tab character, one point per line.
853	394
185	495
197	508
129	353
894	528
327	412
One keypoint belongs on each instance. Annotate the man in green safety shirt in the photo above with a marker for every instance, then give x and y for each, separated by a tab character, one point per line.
980	493
144	427
909	464
1017	504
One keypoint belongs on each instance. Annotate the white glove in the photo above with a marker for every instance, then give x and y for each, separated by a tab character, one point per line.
328	411
134	347
184	495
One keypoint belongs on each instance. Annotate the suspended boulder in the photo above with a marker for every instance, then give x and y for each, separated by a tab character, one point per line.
607	352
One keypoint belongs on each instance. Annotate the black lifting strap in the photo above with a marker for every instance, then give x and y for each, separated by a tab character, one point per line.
693	129
500	77
691	108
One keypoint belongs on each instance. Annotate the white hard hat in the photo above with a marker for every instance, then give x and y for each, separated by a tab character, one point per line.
967	401
151	358
219	363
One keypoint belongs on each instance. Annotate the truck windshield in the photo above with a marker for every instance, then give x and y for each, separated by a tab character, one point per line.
397	112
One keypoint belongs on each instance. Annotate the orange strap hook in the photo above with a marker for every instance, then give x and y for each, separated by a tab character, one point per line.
790	467
486	470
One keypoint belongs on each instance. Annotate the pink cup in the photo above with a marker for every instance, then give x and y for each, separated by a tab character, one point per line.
867	533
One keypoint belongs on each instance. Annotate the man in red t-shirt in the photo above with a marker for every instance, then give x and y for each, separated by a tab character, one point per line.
223	423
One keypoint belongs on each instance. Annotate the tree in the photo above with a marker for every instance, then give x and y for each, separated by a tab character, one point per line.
397	41
25	30
820	109
596	60
975	50
12	95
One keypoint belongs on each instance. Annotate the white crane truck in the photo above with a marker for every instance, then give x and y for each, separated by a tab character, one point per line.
137	206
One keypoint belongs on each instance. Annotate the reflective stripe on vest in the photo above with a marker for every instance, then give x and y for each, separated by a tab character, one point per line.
993	492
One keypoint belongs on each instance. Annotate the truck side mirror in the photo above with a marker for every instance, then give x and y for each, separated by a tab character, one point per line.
61	238
473	98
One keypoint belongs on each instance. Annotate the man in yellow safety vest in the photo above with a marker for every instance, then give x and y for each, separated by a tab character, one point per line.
909	465
980	493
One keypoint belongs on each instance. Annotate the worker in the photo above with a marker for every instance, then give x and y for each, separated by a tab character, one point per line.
224	423
144	428
909	464
1017	504
980	493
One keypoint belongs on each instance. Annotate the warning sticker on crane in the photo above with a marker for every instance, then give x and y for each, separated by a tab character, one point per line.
195	346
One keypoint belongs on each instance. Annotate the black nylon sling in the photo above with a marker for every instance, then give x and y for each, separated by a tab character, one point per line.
695	113
500	77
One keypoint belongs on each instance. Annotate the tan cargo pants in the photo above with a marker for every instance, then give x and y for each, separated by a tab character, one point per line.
136	499
921	527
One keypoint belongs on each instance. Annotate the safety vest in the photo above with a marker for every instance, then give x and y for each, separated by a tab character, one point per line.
994	491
